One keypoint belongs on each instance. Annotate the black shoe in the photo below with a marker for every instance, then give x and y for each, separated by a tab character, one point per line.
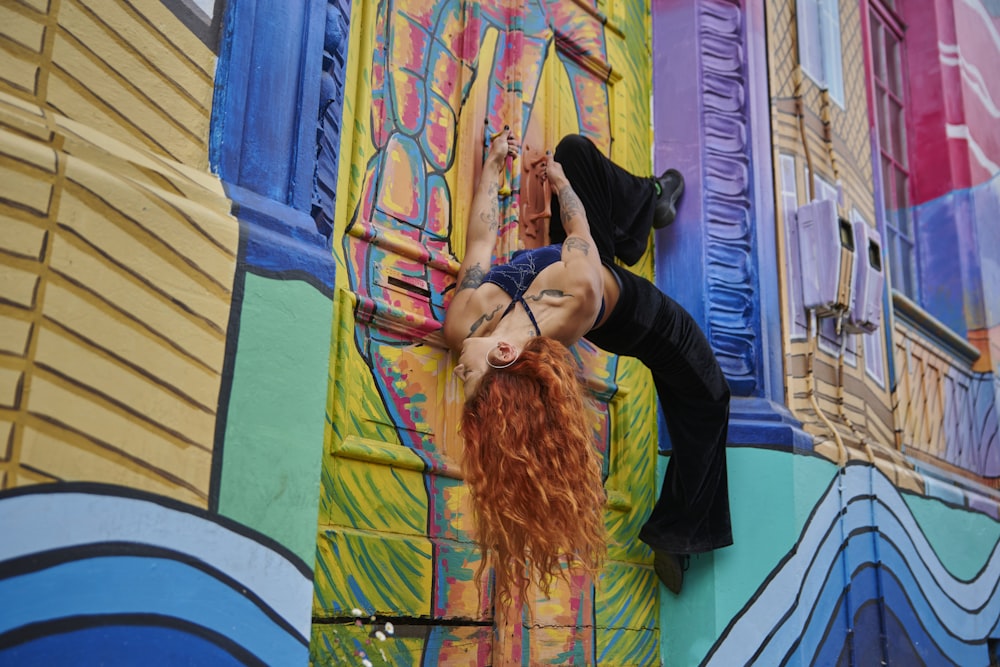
669	569
671	188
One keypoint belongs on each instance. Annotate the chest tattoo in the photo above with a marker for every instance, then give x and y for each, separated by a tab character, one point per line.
547	292
486	317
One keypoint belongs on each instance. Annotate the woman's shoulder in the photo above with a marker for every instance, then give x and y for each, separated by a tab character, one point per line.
473	312
572	278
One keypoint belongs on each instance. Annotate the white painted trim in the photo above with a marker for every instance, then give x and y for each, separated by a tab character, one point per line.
962	132
951	56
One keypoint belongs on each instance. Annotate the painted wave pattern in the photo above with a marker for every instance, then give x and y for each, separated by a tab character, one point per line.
100	579
901	606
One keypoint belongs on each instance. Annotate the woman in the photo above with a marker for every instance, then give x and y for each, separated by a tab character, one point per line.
530	462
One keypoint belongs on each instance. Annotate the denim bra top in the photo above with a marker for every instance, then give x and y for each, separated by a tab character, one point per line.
515	276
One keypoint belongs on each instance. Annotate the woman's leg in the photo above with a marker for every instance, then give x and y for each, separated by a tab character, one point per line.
692	512
619	205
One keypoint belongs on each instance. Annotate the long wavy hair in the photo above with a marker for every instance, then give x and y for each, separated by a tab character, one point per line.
533	471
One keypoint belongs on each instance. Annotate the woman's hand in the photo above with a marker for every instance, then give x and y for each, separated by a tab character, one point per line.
502	146
553	172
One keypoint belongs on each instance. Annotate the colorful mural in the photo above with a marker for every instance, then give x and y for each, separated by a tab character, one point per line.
873	572
106	577
228	424
394	519
129	505
956	187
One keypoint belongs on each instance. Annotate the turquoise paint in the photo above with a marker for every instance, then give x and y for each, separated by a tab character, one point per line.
772	494
962	539
274	430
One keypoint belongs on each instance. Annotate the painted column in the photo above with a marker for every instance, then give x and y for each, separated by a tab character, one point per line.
269	436
719	258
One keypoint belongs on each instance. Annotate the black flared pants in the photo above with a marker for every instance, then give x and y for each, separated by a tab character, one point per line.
691	514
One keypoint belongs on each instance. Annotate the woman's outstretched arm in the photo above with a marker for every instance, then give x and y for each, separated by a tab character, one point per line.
480	238
579	251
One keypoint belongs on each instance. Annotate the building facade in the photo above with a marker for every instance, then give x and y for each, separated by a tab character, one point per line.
230	231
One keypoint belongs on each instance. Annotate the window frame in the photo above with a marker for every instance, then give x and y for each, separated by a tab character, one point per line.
818	21
890	103
790	203
829	339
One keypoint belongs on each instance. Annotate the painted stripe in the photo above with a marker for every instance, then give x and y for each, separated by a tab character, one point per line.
147	640
951	56
956	614
137	585
987	21
50	521
91	553
962	132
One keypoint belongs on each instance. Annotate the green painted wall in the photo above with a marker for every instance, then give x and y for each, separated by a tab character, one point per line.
772	495
274	430
941	523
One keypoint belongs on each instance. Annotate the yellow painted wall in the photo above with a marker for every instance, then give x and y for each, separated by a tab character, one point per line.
128	69
117	253
427	82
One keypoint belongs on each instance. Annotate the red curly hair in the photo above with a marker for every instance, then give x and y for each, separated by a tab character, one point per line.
534	473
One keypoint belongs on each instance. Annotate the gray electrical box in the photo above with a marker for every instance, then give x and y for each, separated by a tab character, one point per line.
865	314
826	248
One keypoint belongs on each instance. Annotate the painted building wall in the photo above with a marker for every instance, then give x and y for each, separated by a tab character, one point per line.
132	525
832	561
873	538
231	428
433	82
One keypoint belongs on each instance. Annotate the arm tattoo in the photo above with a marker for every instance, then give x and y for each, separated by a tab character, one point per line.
547	292
486	317
570	203
490	216
473	278
577	243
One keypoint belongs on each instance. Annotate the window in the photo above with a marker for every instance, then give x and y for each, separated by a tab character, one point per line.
789	205
822	189
890	109
819	45
829	339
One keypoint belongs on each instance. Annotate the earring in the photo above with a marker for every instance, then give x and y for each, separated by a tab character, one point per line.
498	366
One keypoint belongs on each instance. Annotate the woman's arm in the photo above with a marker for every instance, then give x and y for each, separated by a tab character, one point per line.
579	251
480	239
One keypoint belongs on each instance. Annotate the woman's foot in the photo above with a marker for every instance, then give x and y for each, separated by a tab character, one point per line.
670	187
669	569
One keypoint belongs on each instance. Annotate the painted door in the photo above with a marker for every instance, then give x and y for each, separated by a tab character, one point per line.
426	82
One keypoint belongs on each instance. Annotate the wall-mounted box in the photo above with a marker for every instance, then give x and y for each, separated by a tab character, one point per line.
865	314
826	248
